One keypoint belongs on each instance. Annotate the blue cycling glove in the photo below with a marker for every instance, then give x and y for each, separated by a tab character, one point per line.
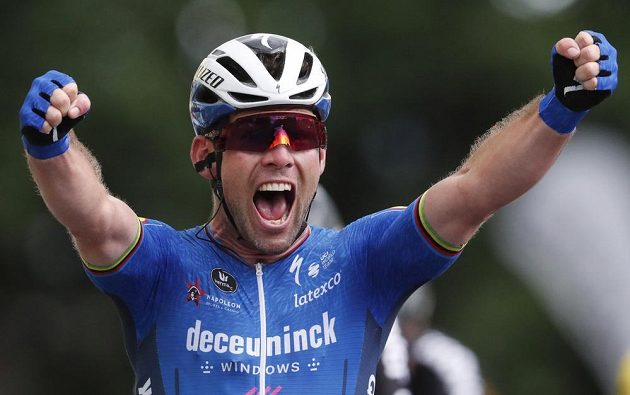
567	103
33	114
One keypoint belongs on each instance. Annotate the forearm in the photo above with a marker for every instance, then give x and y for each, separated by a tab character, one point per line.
72	188
509	159
502	165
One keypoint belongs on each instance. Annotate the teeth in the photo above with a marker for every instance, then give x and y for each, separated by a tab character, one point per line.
275	187
279	221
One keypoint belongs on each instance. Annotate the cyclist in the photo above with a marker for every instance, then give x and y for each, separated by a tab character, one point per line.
256	301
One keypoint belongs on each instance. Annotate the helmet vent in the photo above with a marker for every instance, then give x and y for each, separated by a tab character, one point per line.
245	98
303	95
236	70
202	94
307	66
270	50
273	62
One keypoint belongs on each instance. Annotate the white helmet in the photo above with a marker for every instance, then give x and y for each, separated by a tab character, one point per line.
257	70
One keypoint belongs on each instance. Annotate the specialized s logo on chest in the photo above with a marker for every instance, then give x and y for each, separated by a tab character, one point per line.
223	280
296	265
295	268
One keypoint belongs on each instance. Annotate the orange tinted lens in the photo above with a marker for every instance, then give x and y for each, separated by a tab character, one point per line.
280	137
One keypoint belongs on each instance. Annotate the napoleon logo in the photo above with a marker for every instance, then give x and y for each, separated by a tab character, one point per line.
224	280
194	292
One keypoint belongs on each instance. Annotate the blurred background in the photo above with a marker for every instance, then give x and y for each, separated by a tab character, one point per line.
540	295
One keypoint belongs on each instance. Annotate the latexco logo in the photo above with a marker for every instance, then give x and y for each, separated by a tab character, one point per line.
312	294
223	280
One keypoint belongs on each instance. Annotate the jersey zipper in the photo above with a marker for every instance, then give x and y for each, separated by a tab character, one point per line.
263	329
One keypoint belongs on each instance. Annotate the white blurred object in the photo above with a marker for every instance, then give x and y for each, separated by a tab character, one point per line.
395	358
324	212
567	238
455	364
419	306
531	9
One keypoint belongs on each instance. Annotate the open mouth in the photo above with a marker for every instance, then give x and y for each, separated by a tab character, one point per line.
274	200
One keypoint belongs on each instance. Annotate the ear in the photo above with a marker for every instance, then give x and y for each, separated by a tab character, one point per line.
322	160
200	148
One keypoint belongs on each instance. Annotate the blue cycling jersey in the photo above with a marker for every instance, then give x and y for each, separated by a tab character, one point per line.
198	320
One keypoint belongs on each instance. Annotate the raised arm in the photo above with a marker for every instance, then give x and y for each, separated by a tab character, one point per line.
510	158
68	176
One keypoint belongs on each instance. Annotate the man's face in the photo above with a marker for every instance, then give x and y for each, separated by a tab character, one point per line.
269	193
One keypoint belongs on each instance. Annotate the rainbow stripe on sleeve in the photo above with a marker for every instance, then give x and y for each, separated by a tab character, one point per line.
124	257
431	235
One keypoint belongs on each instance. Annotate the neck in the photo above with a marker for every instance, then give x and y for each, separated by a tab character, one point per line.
223	232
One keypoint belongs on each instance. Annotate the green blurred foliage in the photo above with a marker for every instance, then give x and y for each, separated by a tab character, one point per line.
413	82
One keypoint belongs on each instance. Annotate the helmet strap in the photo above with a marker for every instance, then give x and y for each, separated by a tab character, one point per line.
217	186
305	222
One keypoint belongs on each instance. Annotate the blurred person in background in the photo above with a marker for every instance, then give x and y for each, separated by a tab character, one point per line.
255	300
421	360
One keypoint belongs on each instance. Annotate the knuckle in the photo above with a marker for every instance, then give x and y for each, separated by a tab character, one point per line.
71	89
591	84
584	38
587	71
83	102
590	70
591	52
60	99
53	116
46	128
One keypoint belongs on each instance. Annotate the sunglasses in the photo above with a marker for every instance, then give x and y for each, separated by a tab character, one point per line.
262	132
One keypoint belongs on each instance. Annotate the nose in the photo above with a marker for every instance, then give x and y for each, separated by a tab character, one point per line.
279	156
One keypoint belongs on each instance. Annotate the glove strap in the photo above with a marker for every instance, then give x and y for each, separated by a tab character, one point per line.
45	146
46	151
557	116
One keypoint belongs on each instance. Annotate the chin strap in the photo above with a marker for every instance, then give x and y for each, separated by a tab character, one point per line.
217	185
308	212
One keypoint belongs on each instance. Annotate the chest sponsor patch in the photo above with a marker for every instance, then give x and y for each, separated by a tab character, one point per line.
223	280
